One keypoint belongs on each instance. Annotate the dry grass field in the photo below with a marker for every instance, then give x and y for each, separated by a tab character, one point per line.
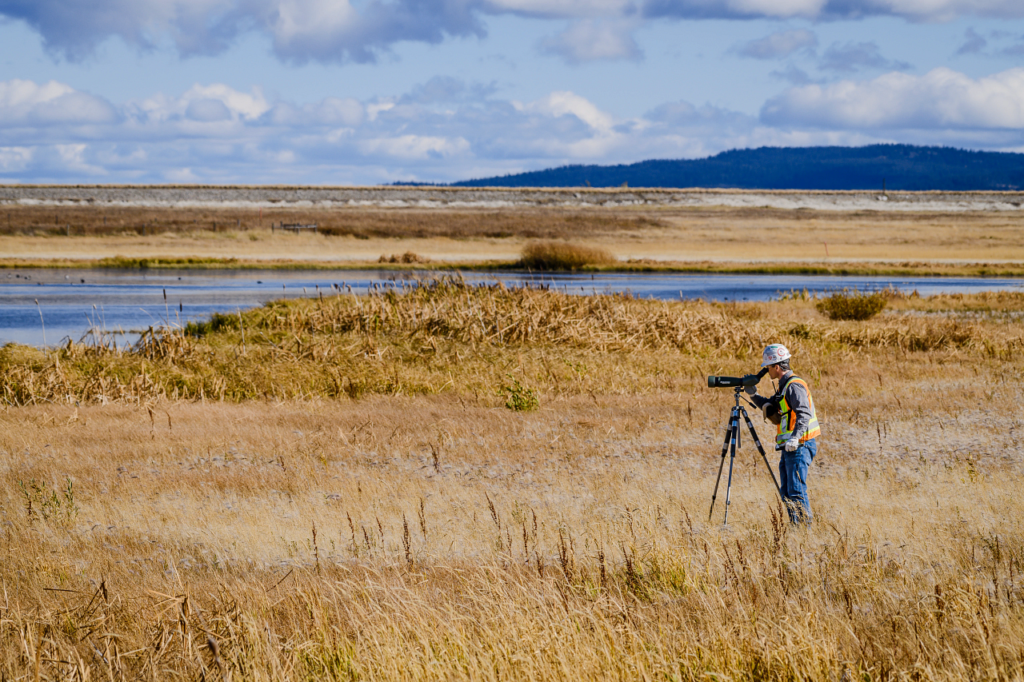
660	235
335	489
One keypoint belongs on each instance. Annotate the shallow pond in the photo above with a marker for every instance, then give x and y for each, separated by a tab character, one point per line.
39	306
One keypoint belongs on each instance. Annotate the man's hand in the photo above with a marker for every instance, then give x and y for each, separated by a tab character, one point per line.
792	444
751	390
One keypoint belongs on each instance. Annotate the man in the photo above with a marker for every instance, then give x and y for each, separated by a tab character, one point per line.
792	408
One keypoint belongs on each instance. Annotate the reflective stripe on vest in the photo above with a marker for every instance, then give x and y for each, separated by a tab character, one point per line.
788	423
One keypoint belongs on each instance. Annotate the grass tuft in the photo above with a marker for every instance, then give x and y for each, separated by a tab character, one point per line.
553	255
852	305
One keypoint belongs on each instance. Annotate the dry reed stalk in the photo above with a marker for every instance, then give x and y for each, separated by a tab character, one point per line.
448	336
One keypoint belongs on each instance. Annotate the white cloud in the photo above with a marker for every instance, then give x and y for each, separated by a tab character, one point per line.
914	10
331	111
25	102
14	159
940	99
302	30
779	44
590	40
563	9
445	129
205	104
850	57
415	147
570	104
342	30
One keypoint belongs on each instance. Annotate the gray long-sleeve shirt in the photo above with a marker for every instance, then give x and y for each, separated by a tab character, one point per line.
797	400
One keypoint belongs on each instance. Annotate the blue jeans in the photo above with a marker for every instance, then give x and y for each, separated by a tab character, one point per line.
793	468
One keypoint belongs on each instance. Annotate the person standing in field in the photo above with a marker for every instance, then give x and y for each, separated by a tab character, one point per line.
792	409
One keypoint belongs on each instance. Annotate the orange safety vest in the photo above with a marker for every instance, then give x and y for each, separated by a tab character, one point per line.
788	421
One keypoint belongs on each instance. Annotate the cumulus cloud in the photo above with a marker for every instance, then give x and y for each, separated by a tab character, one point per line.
448	129
360	30
940	99
330	111
778	45
793	75
559	104
204	104
301	30
914	10
590	40
214	133
446	90
850	57
25	102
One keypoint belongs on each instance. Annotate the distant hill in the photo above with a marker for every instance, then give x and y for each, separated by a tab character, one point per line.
901	167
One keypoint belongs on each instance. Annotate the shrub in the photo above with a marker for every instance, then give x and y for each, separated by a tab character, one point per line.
855	305
562	256
519	398
407	257
216	323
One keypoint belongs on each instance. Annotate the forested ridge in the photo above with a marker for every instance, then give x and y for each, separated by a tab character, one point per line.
894	167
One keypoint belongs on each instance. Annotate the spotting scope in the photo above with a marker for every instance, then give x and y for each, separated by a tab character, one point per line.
736	382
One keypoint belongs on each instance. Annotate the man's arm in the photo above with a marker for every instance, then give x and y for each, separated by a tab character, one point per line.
798	401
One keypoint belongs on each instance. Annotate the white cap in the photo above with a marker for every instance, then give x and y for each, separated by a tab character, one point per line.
774	354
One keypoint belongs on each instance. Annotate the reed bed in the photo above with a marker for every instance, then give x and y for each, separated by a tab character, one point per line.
420	530
448	336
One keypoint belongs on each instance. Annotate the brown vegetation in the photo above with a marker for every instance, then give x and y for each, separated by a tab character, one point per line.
408	342
435	534
641	237
361	223
553	255
852	305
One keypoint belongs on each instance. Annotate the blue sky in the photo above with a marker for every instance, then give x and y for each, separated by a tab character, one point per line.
375	91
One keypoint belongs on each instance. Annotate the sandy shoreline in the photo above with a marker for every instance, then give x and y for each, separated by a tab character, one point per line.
180	196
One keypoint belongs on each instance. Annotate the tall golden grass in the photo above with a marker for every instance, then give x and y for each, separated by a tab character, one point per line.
418	534
449	336
554	255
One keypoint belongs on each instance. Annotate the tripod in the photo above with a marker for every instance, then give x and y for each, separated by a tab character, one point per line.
731	445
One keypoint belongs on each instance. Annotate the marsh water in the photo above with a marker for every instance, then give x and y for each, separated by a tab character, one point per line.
47	307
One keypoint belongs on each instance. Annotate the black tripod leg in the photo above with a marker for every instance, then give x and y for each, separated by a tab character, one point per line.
733	424
760	448
732	460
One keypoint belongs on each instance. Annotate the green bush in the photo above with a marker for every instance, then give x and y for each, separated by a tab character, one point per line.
852	305
562	256
519	398
216	323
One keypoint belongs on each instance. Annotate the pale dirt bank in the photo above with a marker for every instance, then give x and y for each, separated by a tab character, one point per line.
448	197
